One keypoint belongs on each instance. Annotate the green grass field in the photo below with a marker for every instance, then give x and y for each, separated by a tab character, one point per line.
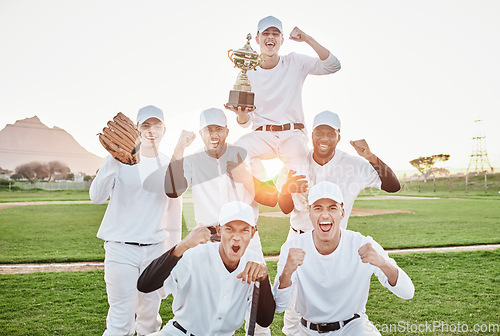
43	195
454	186
450	287
61	233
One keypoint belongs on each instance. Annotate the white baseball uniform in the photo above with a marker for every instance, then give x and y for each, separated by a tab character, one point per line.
134	216
212	187
278	101
352	174
207	305
334	287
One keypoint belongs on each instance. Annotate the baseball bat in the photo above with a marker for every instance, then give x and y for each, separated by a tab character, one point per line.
253	311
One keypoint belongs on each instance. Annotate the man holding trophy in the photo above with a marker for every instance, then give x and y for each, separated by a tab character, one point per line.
276	113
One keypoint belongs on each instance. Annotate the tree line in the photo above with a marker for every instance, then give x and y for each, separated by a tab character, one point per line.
38	171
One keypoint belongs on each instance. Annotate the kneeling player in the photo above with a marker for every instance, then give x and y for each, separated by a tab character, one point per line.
332	268
211	283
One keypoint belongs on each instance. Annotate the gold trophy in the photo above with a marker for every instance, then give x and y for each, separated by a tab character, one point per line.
245	59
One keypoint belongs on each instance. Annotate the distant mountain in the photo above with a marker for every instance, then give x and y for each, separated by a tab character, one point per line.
29	140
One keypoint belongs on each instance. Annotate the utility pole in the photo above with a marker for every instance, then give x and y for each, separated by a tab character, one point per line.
479	162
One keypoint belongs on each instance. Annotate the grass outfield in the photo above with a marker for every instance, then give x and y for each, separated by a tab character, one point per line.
62	233
43	195
451	288
435	222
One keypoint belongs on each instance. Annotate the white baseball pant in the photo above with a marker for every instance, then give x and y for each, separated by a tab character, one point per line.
123	264
290	146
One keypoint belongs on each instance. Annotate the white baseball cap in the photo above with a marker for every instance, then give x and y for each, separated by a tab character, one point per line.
267	22
327	118
325	189
212	116
149	111
237	211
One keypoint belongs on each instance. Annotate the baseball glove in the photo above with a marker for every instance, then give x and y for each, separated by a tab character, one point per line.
121	139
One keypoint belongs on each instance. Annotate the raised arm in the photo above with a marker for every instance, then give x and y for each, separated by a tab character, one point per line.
289	261
299	36
175	182
396	280
390	182
153	277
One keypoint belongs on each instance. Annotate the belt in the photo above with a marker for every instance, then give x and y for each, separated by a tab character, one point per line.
299	231
137	244
326	327
178	326
279	128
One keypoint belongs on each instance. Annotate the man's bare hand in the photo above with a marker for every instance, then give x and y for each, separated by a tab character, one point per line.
295	183
239	110
369	255
185	139
295	259
298	35
362	148
199	235
253	271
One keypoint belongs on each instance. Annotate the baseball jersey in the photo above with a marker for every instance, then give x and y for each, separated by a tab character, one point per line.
334	287
278	91
138	211
208	305
212	187
351	173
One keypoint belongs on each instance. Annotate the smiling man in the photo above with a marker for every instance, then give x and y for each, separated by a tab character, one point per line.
212	283
331	268
278	118
218	173
139	225
327	163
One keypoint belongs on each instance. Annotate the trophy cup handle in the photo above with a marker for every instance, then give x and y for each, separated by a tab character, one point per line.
262	58
230	55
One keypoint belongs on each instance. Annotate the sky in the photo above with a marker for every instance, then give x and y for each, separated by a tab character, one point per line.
415	74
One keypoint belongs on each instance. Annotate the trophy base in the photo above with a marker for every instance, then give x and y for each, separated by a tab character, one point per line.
241	99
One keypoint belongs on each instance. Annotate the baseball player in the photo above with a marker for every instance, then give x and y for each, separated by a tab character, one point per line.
218	174
327	163
331	268
138	226
278	118
211	283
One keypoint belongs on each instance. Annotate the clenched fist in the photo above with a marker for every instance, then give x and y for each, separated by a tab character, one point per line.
185	139
298	35
369	255
199	235
294	260
363	150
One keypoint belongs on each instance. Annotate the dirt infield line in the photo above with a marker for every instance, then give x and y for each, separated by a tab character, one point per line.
89	266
